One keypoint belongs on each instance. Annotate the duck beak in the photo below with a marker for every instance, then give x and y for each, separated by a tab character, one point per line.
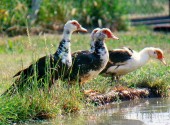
114	37
80	28
163	61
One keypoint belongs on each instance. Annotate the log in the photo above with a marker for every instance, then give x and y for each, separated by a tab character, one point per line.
116	94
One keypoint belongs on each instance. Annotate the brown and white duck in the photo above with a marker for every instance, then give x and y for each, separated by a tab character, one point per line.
52	65
125	60
88	65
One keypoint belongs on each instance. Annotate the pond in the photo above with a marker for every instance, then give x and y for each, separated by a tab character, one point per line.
155	111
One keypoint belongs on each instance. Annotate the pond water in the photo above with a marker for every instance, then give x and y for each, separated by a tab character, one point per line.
154	111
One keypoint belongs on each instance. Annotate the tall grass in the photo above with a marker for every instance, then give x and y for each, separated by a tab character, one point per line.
36	104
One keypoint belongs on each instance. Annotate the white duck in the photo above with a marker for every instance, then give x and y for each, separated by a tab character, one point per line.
123	61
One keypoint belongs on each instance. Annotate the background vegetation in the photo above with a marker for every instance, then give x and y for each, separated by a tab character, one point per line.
16	15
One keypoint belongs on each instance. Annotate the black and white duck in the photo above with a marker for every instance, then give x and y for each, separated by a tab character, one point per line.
89	64
52	65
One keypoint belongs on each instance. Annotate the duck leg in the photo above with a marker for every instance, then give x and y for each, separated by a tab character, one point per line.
117	78
114	79
81	85
51	84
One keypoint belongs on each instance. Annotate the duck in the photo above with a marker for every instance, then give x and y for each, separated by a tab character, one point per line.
125	60
88	65
92	47
52	65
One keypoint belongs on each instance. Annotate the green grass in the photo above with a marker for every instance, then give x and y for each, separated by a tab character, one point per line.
145	7
20	51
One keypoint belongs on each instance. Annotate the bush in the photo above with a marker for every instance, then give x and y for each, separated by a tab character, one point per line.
54	13
109	13
13	13
90	14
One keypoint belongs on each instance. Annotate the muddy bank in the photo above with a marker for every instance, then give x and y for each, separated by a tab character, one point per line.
120	93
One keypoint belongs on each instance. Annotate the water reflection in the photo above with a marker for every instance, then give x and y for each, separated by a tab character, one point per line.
142	112
154	111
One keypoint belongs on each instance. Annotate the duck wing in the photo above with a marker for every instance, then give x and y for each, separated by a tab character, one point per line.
83	63
120	56
79	52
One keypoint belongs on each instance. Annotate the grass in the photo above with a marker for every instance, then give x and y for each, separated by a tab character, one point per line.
18	52
148	7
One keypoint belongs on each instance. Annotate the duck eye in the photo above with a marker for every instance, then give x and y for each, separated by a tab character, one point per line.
154	52
95	31
74	23
104	32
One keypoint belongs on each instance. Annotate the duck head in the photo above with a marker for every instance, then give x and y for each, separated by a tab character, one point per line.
93	33
104	33
157	53
73	25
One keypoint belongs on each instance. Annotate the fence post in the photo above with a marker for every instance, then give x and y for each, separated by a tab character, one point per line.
34	10
169	7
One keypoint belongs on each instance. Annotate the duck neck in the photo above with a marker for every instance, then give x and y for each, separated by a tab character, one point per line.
64	46
101	50
144	56
67	34
64	51
92	47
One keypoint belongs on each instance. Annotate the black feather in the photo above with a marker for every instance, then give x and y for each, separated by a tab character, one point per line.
118	56
85	61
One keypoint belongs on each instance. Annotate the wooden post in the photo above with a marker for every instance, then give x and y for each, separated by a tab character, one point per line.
169	7
34	10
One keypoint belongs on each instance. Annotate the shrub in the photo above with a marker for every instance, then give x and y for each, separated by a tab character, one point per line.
13	13
54	13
